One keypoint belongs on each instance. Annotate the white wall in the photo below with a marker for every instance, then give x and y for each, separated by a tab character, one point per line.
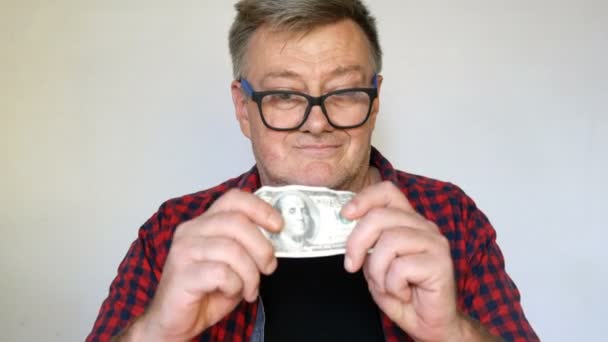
110	107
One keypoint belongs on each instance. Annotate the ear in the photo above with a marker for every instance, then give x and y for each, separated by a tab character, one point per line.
239	100
376	105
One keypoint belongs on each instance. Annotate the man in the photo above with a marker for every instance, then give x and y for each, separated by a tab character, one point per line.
298	227
306	95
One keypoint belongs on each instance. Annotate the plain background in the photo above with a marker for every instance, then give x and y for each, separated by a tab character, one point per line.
111	107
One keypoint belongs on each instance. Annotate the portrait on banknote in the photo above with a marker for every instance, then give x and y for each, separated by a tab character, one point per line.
301	220
313	226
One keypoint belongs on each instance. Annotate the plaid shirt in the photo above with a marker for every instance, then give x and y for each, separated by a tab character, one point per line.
485	291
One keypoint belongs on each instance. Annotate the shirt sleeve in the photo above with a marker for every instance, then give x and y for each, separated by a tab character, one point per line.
490	295
131	290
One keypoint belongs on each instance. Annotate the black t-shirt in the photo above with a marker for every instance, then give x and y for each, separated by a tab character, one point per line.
317	300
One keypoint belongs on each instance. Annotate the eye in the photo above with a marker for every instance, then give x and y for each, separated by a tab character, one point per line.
284	97
292	210
281	97
284	101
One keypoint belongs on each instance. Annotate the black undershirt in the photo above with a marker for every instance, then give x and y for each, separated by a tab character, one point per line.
317	300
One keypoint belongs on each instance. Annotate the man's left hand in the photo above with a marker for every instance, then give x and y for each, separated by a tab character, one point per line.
409	271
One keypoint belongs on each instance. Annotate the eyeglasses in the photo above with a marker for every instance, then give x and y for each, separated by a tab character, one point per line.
284	110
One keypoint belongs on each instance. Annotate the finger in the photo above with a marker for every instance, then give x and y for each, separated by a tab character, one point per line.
371	226
404	315
393	243
205	277
384	194
238	227
407	271
390	305
256	209
405	293
230	252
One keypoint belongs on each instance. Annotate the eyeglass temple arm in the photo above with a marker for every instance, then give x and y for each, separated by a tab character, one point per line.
246	87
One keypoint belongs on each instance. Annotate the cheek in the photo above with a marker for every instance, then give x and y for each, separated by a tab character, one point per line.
268	145
359	140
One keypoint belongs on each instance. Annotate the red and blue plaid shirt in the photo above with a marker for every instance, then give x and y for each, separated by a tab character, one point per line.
485	291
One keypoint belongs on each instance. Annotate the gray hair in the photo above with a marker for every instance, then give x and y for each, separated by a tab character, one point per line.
297	16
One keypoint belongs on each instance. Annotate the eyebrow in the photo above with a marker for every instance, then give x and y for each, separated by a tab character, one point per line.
281	74
339	71
343	70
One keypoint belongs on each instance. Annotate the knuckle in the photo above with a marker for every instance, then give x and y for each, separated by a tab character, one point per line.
235	218
241	219
386	238
237	251
189	249
227	247
234	192
394	234
180	229
231	219
375	214
388	187
178	248
394	273
430	225
219	272
229	197
230	194
195	252
402	266
442	242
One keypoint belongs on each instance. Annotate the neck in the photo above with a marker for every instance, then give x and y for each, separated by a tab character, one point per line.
372	176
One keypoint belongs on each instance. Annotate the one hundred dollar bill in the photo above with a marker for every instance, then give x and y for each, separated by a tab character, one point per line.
313	224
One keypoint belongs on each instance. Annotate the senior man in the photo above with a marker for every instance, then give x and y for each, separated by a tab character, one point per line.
306	94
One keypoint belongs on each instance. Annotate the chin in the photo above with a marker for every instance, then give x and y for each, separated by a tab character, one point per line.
317	174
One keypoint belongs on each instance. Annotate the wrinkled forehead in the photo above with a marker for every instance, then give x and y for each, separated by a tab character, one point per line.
328	50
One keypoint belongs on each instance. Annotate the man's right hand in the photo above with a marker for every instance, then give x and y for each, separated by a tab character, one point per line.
214	262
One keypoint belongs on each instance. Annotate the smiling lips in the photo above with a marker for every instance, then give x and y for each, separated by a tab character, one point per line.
318	150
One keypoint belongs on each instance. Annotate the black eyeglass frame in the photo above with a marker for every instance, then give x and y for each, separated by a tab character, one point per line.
257	97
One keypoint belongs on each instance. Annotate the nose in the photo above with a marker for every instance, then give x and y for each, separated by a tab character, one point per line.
316	122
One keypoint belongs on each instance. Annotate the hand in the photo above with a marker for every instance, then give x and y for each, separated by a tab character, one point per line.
409	272
214	263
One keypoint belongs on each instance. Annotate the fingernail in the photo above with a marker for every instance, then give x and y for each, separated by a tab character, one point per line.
276	222
272	266
349	209
252	298
348	263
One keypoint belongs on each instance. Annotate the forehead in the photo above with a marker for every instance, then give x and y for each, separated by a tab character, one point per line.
324	50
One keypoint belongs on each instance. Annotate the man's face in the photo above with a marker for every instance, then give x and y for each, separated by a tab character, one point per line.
295	213
328	58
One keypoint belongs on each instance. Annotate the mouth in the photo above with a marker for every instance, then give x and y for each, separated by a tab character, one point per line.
318	150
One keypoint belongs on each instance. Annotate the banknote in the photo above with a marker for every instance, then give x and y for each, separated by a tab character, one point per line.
313	224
